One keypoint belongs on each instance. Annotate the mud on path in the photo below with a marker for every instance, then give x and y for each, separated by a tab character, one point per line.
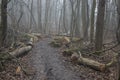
49	64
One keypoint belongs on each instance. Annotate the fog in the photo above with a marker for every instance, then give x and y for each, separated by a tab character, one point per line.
48	16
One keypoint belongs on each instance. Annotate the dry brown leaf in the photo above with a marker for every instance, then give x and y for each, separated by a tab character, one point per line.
18	70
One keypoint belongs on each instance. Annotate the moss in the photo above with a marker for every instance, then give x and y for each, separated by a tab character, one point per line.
4	57
69	52
55	44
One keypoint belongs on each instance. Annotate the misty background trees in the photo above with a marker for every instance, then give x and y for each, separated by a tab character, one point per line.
73	17
95	22
91	20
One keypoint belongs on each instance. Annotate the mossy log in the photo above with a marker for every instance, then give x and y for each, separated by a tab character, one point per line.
55	44
37	35
69	52
16	53
91	63
60	41
21	51
35	38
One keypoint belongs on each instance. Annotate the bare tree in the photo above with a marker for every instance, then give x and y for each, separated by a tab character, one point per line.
3	26
118	37
30	16
47	7
77	27
92	20
100	25
64	15
85	18
72	2
39	4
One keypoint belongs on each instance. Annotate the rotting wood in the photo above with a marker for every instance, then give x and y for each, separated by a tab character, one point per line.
92	63
17	53
69	52
20	51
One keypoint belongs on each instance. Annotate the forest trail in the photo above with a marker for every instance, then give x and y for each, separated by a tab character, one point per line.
49	64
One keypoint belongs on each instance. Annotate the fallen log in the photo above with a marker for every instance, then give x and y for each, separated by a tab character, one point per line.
21	51
69	52
37	35
35	38
55	44
59	41
74	57
92	63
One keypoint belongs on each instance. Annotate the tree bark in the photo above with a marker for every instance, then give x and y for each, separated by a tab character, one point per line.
85	19
39	4
118	38
100	25
3	26
92	21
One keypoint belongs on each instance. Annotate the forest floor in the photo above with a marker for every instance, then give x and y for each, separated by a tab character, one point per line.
49	64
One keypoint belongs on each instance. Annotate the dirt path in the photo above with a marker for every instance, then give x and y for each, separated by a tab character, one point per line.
49	64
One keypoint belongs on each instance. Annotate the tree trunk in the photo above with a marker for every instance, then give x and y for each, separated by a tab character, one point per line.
31	16
100	25
85	18
64	16
3	26
40	15
77	28
47	9
118	38
92	21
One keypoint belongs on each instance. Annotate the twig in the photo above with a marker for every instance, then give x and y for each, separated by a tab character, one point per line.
105	49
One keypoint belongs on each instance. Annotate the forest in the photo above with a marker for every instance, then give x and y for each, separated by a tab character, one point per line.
59	39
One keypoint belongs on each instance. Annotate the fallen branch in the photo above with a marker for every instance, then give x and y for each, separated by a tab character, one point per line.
105	49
